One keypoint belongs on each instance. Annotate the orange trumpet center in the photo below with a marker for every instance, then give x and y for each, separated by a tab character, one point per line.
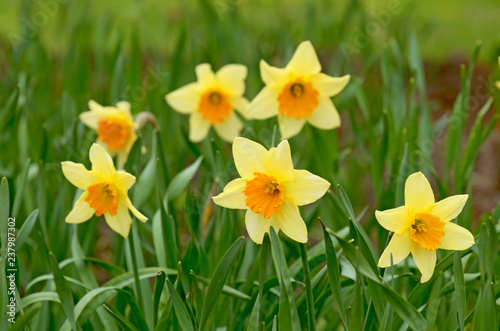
264	194
215	106
427	230
298	99
114	131
103	197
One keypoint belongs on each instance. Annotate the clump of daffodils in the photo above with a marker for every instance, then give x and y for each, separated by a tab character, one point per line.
212	101
422	226
114	126
104	192
298	93
270	190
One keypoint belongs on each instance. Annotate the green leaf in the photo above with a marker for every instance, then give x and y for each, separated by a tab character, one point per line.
147	179
253	322
92	300
64	291
39	297
181	180
158	288
25	230
309	294
285	283
4	216
433	304
179	309
458	278
401	306
334	276
120	318
218	280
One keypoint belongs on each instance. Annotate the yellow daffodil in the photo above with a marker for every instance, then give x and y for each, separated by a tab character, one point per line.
104	192
114	126
211	101
270	190
298	93
422	226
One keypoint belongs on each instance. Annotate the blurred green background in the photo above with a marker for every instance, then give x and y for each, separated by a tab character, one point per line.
443	27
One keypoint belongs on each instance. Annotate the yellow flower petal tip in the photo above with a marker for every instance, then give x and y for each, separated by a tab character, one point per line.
114	126
298	93
212	101
422	226
104	192
270	190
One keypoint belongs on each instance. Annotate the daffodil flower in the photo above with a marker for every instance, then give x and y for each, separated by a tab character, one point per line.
298	93
211	101
114	126
270	190
422	226
104	192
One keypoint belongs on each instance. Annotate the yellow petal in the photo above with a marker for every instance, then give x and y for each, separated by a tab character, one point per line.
449	208
304	61
241	105
290	222
305	188
418	193
91	119
273	77
232	196
124	180
425	261
231	78
120	223
230	128
122	154
205	75
497	84
395	220
198	127
94	106
399	248
121	158
325	116
126	201
290	126
185	100
124	106
249	157
279	162
78	175
264	105
102	164
456	237
257	225
81	212
329	86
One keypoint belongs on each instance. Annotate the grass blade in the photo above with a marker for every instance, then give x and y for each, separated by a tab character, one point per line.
218	280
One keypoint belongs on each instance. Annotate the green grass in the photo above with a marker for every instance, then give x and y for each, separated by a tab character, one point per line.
190	269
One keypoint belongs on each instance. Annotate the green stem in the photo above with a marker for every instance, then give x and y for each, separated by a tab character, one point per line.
309	294
264	257
135	269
